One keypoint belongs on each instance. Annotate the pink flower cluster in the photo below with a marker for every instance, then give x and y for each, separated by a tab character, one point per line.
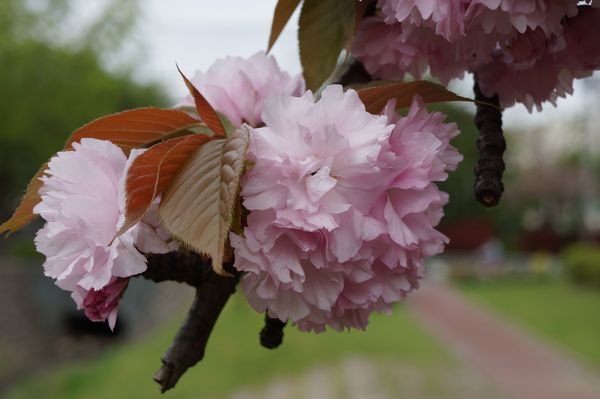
342	207
82	202
238	87
523	50
534	68
453	19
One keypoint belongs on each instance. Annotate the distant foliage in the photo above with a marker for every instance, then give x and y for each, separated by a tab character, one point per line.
582	263
49	91
324	204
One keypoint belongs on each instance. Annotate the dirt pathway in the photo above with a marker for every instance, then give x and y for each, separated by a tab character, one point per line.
495	360
521	366
358	377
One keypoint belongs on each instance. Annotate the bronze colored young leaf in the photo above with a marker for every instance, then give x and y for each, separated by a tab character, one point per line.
205	110
24	215
198	207
129	129
325	27
282	14
376	96
136	127
152	172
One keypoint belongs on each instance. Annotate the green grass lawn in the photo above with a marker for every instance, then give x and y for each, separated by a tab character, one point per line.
233	359
565	314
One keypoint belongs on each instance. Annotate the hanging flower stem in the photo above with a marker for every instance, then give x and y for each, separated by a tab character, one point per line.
271	336
488	185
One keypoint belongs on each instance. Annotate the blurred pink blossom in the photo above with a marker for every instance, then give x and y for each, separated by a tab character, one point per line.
446	17
391	51
342	207
238	87
389	54
453	19
534	67
525	51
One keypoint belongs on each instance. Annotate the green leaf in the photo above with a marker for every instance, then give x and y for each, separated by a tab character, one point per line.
198	207
325	29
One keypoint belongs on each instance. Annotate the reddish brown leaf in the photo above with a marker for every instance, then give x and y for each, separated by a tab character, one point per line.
376	96
282	14
129	129
24	213
152	172
135	128
205	110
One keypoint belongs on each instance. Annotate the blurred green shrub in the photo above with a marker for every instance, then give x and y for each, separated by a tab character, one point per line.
582	264
53	83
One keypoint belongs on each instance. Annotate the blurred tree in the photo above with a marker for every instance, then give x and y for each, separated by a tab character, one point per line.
53	79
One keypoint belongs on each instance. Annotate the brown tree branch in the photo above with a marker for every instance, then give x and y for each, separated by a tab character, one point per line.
488	185
182	267
212	293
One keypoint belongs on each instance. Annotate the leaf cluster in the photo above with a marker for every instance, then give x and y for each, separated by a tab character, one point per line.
194	164
191	161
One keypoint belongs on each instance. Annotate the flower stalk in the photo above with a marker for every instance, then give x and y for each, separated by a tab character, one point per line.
490	167
271	336
212	293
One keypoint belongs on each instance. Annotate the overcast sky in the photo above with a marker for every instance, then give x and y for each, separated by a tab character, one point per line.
194	33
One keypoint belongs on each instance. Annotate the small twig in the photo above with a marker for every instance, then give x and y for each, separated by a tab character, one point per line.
271	336
355	74
189	268
212	293
488	185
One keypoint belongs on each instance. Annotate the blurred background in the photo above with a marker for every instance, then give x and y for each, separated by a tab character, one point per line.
524	275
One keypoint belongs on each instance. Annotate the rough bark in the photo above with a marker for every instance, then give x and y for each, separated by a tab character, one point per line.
212	293
182	267
488	185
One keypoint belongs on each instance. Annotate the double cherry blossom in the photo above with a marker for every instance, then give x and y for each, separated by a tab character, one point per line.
83	204
343	207
526	51
342	203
